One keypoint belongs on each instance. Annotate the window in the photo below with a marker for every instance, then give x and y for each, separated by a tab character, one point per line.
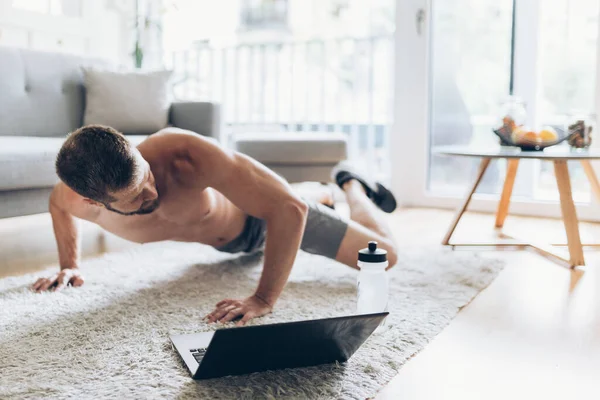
567	68
41	6
264	13
69	8
469	78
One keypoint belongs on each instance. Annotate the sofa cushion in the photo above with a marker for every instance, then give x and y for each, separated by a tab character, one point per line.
27	162
41	94
132	102
293	147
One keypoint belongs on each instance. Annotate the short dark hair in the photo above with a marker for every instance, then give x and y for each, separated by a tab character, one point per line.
94	160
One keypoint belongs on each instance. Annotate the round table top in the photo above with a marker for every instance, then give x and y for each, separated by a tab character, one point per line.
550	153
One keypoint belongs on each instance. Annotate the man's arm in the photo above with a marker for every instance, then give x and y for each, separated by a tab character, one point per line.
261	193
68	240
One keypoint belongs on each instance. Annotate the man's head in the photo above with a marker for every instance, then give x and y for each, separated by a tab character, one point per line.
101	165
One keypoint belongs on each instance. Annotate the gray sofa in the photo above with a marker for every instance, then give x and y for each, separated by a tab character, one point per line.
297	156
42	98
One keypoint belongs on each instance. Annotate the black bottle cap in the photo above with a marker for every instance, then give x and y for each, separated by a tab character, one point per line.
372	254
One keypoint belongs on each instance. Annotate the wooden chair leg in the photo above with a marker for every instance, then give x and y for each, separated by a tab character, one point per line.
569	214
485	162
591	175
509	182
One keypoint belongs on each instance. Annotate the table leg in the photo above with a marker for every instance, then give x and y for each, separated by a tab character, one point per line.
591	175
485	162
509	182
561	170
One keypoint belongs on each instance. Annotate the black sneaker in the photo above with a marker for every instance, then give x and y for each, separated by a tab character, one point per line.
379	194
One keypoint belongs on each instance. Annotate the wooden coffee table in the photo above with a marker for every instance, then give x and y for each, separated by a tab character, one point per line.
559	156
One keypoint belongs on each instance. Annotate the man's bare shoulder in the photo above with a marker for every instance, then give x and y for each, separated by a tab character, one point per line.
181	149
174	141
66	199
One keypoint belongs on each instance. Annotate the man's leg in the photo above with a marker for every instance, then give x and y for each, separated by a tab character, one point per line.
364	211
315	192
367	223
328	234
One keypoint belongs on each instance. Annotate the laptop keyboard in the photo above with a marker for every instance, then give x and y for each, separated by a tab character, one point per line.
198	354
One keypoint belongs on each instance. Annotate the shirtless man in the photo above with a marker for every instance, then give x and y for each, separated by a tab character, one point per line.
177	185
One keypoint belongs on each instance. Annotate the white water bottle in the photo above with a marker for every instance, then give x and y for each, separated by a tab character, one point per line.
372	283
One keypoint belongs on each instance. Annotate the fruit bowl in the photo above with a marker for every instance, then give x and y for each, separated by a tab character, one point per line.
529	141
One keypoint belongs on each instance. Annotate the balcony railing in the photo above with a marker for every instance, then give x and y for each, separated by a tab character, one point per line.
264	14
342	85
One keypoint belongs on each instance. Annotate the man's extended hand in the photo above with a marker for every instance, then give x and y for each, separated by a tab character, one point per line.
249	308
68	276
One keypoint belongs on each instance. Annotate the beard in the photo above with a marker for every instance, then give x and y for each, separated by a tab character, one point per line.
142	211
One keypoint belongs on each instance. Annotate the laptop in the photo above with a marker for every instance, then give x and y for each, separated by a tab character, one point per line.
243	350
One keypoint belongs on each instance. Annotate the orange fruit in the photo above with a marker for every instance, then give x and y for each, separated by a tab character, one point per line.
548	134
531	136
518	134
525	135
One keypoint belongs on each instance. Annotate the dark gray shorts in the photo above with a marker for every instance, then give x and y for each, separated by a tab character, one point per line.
323	233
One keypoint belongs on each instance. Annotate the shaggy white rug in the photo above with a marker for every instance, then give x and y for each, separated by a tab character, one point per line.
109	338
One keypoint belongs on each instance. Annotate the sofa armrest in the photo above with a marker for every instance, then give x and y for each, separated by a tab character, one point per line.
200	117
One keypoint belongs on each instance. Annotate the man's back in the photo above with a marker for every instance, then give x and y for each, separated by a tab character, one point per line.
188	211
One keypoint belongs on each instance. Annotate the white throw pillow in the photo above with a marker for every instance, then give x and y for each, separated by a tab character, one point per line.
132	102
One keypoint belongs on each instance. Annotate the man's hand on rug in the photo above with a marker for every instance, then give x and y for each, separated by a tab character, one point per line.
228	310
67	276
